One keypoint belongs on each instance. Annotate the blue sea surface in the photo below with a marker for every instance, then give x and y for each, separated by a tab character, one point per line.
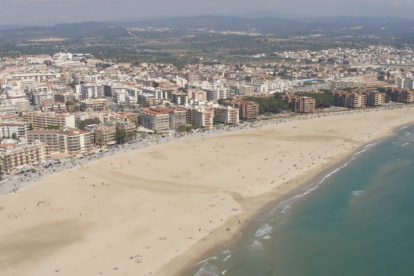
359	220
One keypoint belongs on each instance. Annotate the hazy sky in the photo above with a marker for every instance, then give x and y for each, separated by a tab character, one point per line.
29	11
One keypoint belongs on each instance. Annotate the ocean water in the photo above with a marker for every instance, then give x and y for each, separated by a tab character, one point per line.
358	220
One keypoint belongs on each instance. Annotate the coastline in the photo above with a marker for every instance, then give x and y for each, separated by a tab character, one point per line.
202	185
190	259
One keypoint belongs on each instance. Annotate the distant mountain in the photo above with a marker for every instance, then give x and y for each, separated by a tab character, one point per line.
11	27
282	27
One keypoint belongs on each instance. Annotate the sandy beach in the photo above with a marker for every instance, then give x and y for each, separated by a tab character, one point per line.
158	210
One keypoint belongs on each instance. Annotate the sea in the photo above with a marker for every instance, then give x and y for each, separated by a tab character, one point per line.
355	219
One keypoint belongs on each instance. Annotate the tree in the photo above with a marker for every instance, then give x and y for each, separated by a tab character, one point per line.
272	105
182	128
1	172
100	141
248	78
120	136
86	122
30	126
14	136
72	84
69	103
322	99
387	98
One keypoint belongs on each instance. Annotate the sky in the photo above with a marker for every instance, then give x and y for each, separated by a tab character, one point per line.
67	11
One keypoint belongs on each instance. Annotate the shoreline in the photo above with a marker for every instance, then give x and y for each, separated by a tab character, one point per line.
168	192
189	137
257	209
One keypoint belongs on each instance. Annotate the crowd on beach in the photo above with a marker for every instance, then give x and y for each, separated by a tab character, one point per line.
14	182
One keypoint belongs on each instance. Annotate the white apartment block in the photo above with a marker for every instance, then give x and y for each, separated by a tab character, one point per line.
41	120
66	140
8	128
14	156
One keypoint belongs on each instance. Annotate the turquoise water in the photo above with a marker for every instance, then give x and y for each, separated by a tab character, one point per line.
361	223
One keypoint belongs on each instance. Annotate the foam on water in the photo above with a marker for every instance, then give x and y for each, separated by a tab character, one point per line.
287	204
208	270
206	260
357	193
266	237
264	230
225	259
404	144
255	246
227	251
224	272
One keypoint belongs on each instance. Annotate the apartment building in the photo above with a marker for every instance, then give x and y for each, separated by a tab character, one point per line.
104	135
23	106
155	119
64	97
376	99
179	98
41	120
401	95
203	116
13	156
300	104
226	115
357	100
200	95
247	110
94	104
8	128
64	140
163	119
350	99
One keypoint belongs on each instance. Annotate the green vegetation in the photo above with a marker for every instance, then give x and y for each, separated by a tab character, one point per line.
324	99
72	84
14	136
84	123
272	105
53	127
120	136
187	127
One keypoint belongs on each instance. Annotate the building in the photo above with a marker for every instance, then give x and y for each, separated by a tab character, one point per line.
40	120
179	98
226	115
357	100
247	110
155	119
23	106
300	104
401	95
376	99
203	116
200	95
64	140
7	129
163	118
13	156
104	135
350	99
94	105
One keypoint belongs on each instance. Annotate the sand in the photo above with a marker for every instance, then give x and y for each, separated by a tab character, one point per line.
157	210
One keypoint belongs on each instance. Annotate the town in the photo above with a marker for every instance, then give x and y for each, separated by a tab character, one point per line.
67	105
